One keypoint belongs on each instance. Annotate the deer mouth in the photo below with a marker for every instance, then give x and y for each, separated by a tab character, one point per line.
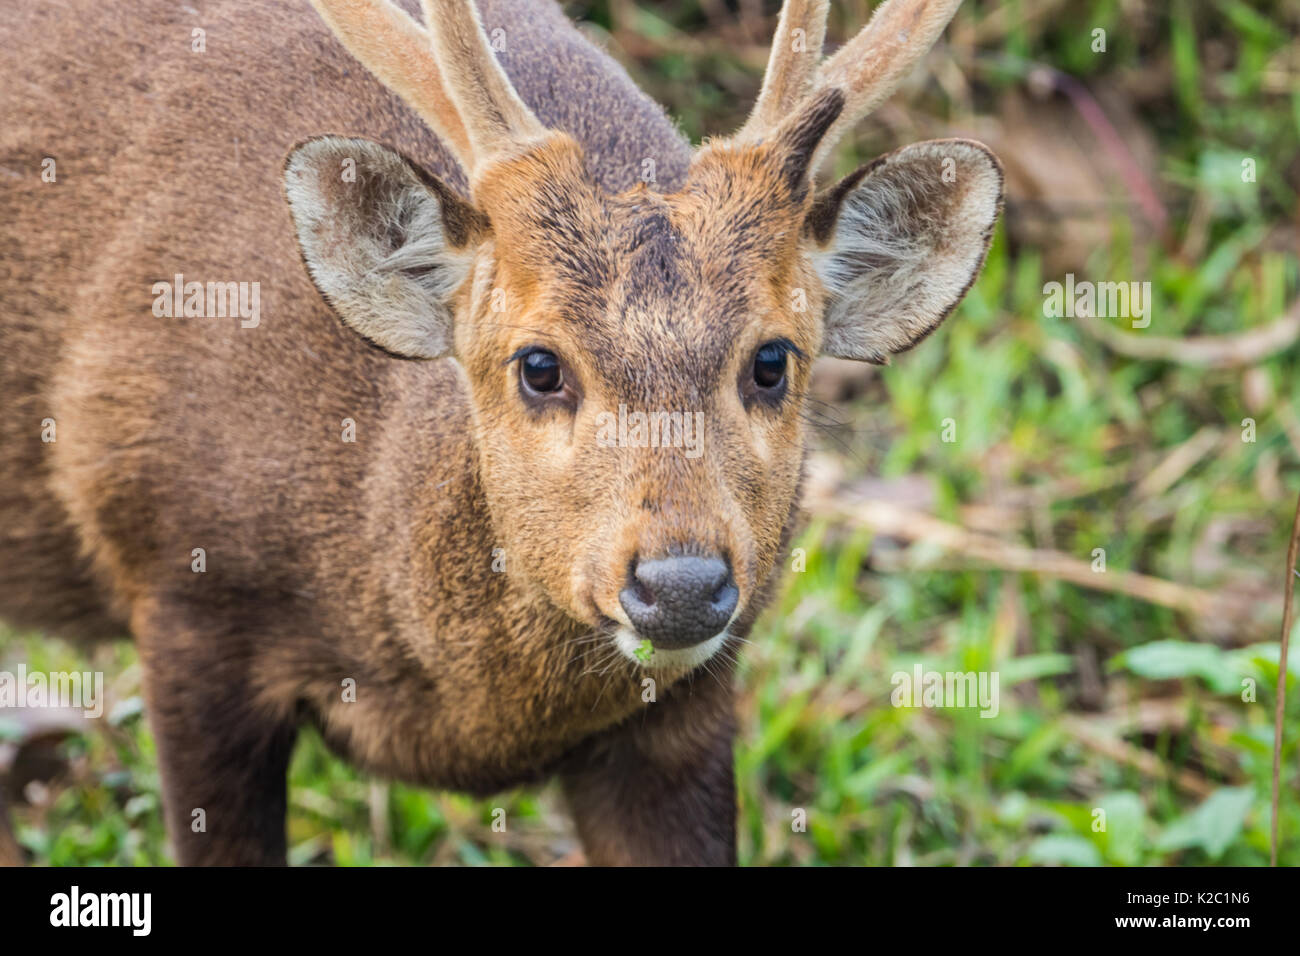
680	660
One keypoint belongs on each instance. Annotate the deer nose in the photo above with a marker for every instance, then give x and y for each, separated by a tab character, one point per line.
679	602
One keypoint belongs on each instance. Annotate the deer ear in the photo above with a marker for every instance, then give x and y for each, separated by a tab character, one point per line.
900	241
386	243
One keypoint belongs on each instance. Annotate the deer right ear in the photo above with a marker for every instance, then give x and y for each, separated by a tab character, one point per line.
386	243
900	241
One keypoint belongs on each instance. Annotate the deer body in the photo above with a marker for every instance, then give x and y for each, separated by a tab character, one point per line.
372	562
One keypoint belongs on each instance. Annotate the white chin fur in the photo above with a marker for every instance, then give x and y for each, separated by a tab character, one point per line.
679	659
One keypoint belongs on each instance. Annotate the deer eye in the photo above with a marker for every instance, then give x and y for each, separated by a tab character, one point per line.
539	371
769	365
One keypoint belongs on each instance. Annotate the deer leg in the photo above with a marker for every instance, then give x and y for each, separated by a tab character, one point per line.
223	756
659	789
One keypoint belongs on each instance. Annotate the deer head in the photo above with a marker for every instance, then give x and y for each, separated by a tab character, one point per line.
636	363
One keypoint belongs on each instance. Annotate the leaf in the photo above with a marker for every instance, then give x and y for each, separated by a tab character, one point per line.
1269	653
1034	667
126	710
1168	660
1064	848
1213	825
1121	841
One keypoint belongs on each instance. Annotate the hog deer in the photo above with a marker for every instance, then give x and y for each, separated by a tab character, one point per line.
385	496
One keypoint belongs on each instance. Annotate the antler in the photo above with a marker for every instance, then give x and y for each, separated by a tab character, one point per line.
870	66
397	50
447	73
867	69
494	115
791	67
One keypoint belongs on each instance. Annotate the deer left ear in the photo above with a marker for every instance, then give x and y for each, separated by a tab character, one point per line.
900	241
386	243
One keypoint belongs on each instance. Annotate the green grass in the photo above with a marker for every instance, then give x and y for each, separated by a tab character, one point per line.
1108	702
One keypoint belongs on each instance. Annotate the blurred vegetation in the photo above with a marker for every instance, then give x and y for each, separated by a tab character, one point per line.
1065	444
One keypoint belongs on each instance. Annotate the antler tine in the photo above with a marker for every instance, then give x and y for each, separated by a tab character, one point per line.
791	67
870	66
495	118
397	50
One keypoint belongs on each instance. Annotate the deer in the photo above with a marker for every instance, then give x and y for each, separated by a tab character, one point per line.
404	497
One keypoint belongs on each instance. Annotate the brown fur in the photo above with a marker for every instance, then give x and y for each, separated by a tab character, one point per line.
372	562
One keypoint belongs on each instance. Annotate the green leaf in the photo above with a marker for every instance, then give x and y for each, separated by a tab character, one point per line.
1169	660
1016	670
1065	849
1213	825
1121	841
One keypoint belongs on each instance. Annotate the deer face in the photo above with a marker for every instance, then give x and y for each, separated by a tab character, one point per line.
637	364
648	376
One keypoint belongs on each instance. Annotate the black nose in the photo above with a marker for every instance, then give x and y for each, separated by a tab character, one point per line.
679	602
